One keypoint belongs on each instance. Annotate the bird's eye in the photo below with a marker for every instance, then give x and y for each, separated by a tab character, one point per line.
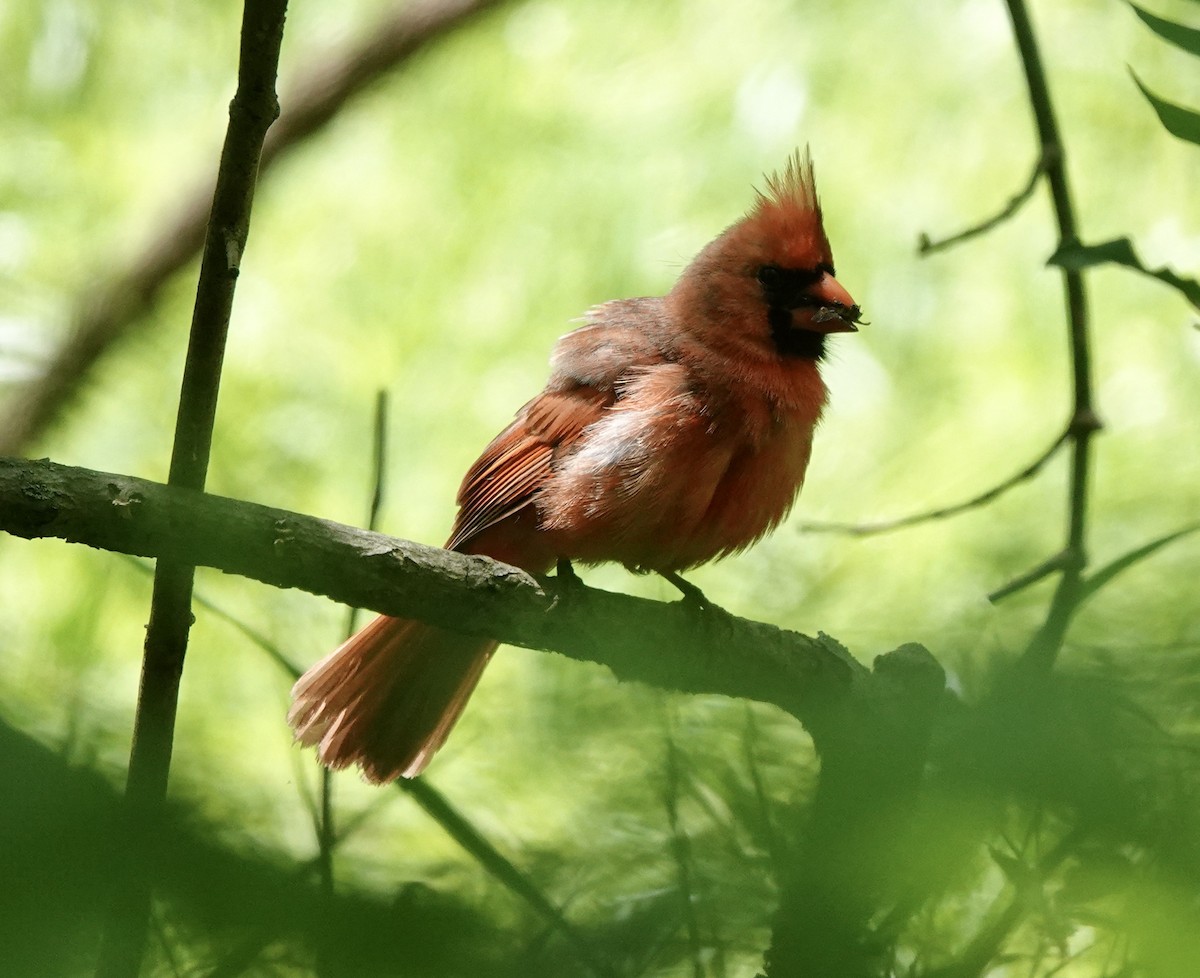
769	274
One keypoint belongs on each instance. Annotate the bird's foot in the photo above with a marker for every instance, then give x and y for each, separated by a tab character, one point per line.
692	595
564	581
566	575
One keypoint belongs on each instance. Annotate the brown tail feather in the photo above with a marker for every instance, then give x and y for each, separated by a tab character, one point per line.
387	698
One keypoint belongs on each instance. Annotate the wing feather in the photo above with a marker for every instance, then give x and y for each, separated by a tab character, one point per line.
589	366
519	460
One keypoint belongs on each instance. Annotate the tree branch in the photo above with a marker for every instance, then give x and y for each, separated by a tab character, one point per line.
666	645
1043	649
943	512
253	109
845	871
926	245
107	310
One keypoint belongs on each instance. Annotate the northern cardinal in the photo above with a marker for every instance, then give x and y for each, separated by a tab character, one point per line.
672	431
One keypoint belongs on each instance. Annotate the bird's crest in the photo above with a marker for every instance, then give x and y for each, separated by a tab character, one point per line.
787	215
793	188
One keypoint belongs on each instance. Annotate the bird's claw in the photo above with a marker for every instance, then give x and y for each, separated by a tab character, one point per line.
564	581
566	575
692	595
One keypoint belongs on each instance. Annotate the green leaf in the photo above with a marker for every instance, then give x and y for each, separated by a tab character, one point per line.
1076	256
1187	38
1177	120
1106	573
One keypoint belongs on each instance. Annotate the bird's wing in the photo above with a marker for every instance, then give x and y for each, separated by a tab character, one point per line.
518	461
589	366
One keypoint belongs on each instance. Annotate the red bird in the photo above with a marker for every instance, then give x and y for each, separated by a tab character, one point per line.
672	431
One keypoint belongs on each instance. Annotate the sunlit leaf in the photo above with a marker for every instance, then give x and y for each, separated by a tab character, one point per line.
1178	121
1120	251
1187	38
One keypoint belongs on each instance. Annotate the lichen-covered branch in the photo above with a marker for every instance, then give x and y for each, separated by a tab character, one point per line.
672	646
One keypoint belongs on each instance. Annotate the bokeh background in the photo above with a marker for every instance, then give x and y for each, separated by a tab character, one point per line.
433	241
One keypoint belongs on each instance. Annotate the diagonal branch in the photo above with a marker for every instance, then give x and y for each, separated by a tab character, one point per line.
941	513
1043	650
106	311
666	645
927	246
1049	566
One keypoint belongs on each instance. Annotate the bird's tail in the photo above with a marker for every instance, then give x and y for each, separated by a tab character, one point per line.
387	698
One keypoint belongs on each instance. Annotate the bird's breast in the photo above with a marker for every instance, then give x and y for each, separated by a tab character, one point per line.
677	472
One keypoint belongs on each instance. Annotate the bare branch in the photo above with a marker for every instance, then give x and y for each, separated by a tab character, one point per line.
671	646
1043	650
925	246
839	877
886	526
1030	577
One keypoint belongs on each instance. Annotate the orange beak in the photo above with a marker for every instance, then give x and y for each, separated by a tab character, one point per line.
836	311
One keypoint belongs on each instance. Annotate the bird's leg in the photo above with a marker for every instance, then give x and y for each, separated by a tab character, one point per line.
691	594
565	580
566	573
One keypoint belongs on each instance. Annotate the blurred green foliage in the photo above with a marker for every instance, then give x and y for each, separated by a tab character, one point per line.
435	240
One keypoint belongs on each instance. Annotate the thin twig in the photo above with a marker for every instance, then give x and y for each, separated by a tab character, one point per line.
106	311
252	111
886	526
1120	251
1043	649
926	246
1030	577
